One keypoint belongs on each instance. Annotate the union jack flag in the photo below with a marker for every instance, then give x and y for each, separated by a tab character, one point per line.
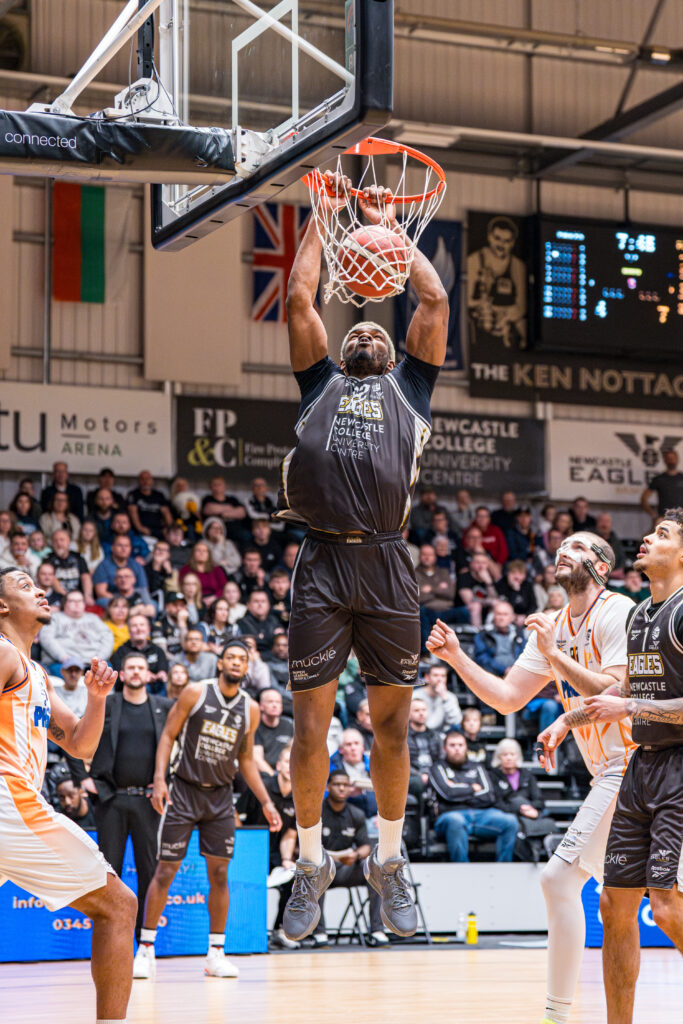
278	232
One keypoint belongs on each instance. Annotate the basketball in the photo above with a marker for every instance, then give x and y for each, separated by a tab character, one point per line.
372	261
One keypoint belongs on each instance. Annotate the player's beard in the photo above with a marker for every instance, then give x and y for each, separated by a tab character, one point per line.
364	362
576	581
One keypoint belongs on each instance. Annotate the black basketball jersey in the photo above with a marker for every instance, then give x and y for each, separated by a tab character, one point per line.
211	738
359	445
655	665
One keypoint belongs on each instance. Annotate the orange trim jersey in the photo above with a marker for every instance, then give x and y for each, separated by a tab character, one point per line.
596	639
24	720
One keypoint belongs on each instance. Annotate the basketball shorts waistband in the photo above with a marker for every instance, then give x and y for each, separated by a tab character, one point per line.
353	538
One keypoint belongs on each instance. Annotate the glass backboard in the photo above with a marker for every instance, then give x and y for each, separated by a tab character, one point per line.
295	82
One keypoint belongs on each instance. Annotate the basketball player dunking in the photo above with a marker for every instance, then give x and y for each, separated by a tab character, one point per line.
361	430
645	846
583	648
40	850
214	723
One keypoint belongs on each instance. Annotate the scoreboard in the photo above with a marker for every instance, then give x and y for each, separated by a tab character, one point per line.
608	289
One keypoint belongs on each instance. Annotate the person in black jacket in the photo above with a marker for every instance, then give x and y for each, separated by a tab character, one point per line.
122	772
467	798
424	745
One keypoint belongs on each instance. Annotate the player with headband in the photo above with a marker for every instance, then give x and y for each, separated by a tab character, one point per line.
583	648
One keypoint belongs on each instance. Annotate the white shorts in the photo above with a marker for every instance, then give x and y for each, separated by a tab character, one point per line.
43	851
586	837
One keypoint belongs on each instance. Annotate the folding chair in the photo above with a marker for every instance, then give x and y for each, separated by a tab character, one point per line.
357	911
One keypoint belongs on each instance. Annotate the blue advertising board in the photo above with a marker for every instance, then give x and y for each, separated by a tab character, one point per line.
31	932
650	934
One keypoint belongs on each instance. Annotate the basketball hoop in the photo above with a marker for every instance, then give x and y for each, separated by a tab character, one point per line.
369	263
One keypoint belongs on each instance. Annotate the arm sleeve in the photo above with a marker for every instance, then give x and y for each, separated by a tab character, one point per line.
417	380
610	632
532	660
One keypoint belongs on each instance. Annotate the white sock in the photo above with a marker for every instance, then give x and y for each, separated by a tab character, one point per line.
557	1010
111	1020
311	843
216	939
562	884
390	838
148	936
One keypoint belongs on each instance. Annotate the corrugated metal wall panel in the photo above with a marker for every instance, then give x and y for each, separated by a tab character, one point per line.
64	33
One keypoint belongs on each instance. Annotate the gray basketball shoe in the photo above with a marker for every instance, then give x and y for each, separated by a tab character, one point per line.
302	912
398	910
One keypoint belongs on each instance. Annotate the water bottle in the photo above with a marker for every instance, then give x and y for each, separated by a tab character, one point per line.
472	935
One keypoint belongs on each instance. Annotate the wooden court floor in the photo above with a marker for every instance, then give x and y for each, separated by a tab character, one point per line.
392	986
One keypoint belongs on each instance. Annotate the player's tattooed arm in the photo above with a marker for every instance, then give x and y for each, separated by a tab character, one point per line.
55	732
575	719
667	711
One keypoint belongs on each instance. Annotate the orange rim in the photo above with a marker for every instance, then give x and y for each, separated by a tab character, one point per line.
384	147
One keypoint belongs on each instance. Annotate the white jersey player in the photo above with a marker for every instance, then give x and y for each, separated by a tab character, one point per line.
583	648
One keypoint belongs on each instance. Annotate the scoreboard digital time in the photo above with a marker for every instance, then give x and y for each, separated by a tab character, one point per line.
610	289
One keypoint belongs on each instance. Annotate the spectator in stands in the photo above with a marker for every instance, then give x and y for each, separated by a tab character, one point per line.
274	732
170	627
22	509
492	537
521	538
178	678
352	686
27	486
212	578
219	503
603	528
6	527
217	628
75	633
179	547
103	509
666	488
413	549
191	589
19	556
466	804
345	836
258	675
517	590
547	516
138	598
497	647
70	568
200	664
581	517
259	620
148	508
233	595
224	552
477	588
141	643
280	600
471	546
564	523
61	484
444	556
463	514
58	517
363	723
471	730
38	545
160	574
442	705
71	799
441	528
545	553
106	481
436	593
277	660
353	759
120	557
289	556
544	708
120	526
263	541
71	688
635	586
421	515
557	599
505	517
520	794
88	545
252	575
49	584
259	503
116	620
424	744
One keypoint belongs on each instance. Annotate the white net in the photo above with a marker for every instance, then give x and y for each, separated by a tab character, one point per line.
367	262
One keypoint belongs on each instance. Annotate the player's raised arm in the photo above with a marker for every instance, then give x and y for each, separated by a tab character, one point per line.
80	736
428	331
307	335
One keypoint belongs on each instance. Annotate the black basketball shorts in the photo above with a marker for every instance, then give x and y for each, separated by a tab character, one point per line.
209	810
645	844
349	594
